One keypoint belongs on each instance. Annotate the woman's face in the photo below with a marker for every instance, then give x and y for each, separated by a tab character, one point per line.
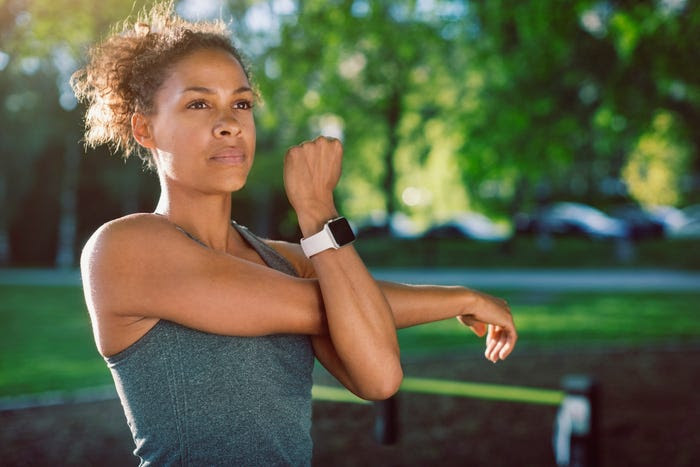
202	133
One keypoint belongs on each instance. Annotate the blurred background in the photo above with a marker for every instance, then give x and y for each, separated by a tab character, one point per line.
479	120
544	151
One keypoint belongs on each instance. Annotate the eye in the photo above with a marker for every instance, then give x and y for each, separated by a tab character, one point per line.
243	105
197	105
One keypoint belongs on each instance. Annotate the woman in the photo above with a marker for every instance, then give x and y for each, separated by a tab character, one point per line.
210	333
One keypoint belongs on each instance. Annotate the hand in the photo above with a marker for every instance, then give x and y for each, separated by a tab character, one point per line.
311	173
492	316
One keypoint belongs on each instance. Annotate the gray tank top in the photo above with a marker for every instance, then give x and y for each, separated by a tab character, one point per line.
193	398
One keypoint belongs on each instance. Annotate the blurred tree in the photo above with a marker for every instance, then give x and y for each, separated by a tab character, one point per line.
657	163
374	73
443	105
29	91
38	52
566	90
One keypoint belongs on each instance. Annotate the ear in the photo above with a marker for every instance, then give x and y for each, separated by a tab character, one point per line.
141	129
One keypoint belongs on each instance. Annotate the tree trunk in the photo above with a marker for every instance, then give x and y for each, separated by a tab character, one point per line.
65	251
4	222
393	114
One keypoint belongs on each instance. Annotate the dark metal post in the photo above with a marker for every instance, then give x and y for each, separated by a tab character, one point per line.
386	420
576	436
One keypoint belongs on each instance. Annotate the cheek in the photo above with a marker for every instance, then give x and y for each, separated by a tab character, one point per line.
171	135
250	129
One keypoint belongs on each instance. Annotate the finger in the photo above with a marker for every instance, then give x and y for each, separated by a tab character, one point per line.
496	351
491	348
490	342
503	341
510	344
330	139
490	336
505	350
479	329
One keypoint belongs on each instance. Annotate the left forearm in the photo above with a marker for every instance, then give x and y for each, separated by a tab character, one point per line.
418	304
483	313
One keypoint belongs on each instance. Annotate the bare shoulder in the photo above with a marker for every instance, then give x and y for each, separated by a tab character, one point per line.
124	253
120	237
116	264
133	224
294	254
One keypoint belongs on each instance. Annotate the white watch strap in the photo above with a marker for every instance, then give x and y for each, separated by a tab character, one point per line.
318	242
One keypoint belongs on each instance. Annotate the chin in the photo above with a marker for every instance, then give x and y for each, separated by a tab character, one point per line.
235	186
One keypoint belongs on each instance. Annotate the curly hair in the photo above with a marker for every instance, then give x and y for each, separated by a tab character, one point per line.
124	72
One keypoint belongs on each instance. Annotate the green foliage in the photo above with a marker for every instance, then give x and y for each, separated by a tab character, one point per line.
571	88
44	42
377	77
657	163
443	106
36	28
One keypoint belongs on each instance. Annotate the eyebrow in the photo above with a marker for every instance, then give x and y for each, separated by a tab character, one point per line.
205	90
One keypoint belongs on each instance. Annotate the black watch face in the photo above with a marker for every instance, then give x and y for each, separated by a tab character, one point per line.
342	232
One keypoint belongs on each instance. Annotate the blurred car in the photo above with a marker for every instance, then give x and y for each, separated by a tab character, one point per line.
469	225
567	218
398	225
679	223
641	223
402	226
690	229
673	219
692	212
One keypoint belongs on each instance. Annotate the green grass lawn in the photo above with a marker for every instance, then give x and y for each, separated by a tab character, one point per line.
576	320
46	341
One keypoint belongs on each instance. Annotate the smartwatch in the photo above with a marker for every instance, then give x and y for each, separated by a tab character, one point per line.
336	233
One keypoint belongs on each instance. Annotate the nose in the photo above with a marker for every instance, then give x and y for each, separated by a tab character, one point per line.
227	125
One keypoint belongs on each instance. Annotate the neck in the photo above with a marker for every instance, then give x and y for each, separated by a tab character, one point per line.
207	217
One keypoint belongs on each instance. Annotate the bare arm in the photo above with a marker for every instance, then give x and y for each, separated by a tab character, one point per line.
360	322
412	305
483	313
418	304
141	268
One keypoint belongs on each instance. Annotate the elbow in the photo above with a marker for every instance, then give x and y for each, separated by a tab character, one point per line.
384	387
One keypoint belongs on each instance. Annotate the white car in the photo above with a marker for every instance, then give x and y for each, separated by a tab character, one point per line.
472	225
577	218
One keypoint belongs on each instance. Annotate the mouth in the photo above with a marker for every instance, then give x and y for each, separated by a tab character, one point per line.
229	156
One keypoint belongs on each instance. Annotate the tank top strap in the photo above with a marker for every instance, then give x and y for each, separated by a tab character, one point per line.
268	254
271	257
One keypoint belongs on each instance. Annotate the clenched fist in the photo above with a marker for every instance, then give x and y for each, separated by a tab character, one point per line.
311	173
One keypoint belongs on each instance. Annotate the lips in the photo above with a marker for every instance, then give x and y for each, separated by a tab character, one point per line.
229	156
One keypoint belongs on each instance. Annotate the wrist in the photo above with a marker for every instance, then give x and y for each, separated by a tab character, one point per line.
468	301
312	220
335	234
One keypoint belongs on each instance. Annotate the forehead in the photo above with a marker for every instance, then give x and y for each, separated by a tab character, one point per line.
211	68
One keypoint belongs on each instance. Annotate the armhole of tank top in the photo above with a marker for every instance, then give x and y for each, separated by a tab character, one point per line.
264	250
133	347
